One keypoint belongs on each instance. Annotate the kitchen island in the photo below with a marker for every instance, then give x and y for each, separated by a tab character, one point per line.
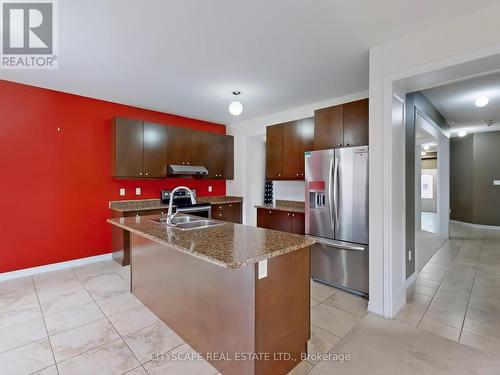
239	295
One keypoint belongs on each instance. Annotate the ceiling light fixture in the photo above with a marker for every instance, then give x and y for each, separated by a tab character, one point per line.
462	133
235	107
426	147
423	153
482	101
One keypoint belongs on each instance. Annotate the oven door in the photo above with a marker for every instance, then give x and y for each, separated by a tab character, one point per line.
203	211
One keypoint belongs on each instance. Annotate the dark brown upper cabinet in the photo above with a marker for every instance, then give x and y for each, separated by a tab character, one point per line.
356	123
128	136
155	150
344	125
140	149
144	150
274	152
179	145
329	128
292	150
307	144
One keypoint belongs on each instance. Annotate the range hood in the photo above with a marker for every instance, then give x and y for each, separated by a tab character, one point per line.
199	170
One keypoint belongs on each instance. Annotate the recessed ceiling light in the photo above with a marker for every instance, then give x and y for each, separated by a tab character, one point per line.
462	133
426	147
482	101
423	153
235	107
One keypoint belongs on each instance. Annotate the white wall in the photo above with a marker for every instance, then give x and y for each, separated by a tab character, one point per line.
248	177
461	40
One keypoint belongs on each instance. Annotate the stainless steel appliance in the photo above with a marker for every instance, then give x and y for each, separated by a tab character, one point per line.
186	170
182	203
337	216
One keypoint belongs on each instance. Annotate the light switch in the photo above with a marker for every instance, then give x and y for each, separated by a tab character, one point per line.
209	189
496	182
137	191
262	269
122	192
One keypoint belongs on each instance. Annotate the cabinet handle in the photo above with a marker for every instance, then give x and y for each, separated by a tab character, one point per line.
297	174
340	144
230	205
183	163
220	214
302	174
140	173
146	173
279	174
270	212
347	144
288	214
293	214
187	163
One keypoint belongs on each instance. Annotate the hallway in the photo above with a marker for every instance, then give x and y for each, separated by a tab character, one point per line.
456	294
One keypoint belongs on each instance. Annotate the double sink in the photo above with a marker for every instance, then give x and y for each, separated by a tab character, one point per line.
188	222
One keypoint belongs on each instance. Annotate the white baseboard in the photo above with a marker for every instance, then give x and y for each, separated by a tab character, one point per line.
477	226
375	309
54	267
410	280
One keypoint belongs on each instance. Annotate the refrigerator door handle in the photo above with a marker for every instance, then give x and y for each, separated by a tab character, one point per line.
337	244
336	193
330	199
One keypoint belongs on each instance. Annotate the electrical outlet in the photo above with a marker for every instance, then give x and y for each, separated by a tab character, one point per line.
122	192
409	255
209	189
137	191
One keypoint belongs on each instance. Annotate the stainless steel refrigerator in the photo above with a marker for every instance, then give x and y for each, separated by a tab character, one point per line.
337	216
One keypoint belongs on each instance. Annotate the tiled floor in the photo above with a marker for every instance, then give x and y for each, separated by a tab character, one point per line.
457	294
85	321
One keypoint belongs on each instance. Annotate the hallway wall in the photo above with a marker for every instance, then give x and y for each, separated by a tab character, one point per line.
474	167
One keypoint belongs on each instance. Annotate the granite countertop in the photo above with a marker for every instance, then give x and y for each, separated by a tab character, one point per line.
228	245
282	205
155	204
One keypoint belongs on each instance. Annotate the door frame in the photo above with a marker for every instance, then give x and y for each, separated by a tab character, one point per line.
394	252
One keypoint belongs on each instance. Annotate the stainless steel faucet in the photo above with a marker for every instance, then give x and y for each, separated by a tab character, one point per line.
170	216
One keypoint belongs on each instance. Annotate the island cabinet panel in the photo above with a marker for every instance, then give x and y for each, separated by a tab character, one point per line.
128	147
265	218
356	123
222	310
329	128
274	152
155	150
231	212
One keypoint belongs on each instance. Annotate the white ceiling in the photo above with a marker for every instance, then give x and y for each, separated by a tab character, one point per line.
186	56
455	101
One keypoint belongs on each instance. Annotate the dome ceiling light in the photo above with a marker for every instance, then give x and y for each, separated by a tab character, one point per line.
235	107
482	101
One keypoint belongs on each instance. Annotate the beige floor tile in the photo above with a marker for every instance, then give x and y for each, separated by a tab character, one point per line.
133	320
439	329
152	340
27	359
65	302
21	334
314	302
333	320
118	303
111	359
425	290
321	341
51	277
428	283
320	291
71	318
301	369
54	290
13	298
408	317
81	339
137	371
10	315
384	346
52	370
348	302
444	317
167	366
483	324
124	273
481	343
20	285
106	285
96	269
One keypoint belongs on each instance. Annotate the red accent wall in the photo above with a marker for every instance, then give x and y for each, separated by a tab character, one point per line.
56	185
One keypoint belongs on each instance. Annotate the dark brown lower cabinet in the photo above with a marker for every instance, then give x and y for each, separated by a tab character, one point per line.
231	212
120	238
285	221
